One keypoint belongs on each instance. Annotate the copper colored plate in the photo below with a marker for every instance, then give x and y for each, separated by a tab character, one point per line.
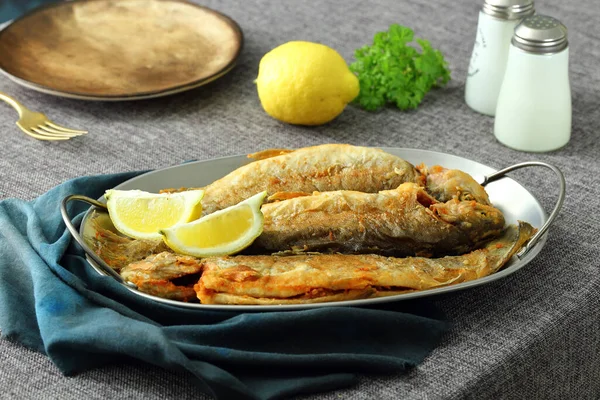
119	49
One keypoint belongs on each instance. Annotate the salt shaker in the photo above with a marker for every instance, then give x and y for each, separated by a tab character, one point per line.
495	28
534	105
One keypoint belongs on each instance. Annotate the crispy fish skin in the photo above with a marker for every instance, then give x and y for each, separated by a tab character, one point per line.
328	277
319	168
118	251
405	221
268	153
155	275
314	296
447	184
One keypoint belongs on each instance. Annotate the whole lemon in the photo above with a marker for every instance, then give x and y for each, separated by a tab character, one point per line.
305	83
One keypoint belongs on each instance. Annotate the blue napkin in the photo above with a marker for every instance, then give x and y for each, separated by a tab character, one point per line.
11	9
51	300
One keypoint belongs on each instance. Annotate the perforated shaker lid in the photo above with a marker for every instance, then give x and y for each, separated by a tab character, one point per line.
540	34
508	9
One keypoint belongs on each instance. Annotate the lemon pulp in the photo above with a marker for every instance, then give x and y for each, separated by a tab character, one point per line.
223	232
142	215
223	228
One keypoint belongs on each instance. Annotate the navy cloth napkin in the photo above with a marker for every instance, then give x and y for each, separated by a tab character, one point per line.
51	300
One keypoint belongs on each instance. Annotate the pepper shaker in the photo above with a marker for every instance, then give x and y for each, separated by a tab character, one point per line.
495	28
534	105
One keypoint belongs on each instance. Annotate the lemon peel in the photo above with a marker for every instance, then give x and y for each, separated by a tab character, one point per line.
305	83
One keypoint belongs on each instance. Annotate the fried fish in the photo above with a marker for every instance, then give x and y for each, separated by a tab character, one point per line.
308	277
117	250
311	278
406	221
165	275
319	168
357	221
447	184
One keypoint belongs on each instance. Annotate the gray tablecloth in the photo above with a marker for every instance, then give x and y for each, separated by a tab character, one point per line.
535	334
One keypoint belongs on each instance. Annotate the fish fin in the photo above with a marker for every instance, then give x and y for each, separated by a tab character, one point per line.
286	196
268	153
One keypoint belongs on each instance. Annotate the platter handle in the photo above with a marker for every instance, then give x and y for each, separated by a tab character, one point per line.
89	252
559	202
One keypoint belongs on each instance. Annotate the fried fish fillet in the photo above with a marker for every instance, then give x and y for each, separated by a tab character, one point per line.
405	221
328	277
319	168
158	275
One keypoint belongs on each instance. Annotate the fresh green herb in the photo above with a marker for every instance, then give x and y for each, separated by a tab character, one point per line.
392	71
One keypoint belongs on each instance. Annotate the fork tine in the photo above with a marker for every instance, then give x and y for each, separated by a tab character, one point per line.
37	125
48	129
43	137
62	128
46	134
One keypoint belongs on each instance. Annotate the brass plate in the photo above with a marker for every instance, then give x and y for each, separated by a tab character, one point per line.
119	49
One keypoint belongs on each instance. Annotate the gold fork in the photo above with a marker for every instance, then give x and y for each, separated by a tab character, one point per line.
37	125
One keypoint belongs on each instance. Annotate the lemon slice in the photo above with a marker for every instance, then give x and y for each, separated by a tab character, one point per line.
221	233
141	215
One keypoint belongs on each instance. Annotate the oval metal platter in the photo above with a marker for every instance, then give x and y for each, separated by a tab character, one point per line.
515	201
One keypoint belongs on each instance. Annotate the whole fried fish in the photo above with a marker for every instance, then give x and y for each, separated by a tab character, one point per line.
329	277
319	168
405	221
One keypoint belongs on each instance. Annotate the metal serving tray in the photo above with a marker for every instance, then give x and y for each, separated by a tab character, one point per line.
515	201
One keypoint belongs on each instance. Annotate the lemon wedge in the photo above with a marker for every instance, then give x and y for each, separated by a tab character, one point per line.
221	233
141	215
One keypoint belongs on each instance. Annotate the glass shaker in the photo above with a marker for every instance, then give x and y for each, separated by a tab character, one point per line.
495	28
534	105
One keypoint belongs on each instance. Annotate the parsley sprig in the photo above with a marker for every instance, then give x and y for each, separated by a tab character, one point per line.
392	71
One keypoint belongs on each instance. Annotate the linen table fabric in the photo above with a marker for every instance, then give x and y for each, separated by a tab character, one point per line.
534	334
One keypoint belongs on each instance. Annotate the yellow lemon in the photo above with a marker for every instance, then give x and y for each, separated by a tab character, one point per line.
305	83
142	215
220	233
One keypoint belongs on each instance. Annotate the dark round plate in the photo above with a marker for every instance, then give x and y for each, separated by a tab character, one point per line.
119	49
